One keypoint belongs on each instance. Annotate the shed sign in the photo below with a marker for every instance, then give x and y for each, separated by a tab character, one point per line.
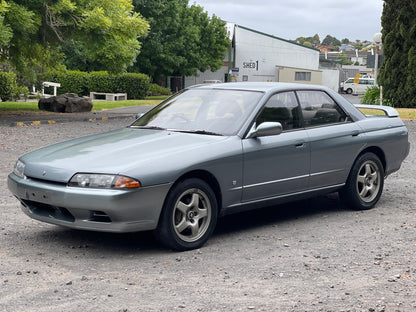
251	65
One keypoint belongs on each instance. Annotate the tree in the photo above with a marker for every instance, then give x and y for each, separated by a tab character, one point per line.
398	71
301	40
104	32
329	40
345	61
345	41
182	39
307	44
316	41
5	30
108	34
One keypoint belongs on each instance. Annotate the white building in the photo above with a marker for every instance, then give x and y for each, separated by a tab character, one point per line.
256	56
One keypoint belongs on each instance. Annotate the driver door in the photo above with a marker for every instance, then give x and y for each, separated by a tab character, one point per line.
278	165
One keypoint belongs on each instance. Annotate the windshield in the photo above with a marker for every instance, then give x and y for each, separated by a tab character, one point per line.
208	111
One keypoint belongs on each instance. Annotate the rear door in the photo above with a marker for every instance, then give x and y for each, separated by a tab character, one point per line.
334	138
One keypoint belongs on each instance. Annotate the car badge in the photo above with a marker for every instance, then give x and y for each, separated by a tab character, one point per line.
43	173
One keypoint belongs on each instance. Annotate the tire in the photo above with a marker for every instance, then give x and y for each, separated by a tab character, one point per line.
189	215
365	183
349	91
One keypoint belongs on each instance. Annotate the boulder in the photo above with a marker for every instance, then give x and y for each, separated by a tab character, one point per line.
66	103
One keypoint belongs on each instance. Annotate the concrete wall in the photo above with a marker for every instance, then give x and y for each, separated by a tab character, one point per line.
208	75
330	78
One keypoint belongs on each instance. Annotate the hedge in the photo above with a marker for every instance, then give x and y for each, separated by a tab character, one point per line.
155	89
8	85
135	85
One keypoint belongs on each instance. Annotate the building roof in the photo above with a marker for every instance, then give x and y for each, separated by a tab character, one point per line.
231	27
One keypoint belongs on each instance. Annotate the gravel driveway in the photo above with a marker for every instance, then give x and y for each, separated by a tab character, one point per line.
313	255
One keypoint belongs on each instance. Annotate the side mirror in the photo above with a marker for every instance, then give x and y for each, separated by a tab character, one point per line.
265	129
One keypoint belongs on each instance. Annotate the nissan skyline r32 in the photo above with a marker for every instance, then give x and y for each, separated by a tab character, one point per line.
208	151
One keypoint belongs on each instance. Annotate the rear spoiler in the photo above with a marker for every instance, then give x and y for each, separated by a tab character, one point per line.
388	111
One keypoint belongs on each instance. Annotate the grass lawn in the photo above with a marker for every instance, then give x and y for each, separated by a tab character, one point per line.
98	105
407	113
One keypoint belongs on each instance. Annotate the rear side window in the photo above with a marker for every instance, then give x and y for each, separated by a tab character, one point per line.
319	109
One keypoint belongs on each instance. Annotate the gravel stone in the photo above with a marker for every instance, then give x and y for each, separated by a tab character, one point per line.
338	260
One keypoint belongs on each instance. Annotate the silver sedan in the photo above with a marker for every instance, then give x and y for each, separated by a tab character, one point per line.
208	151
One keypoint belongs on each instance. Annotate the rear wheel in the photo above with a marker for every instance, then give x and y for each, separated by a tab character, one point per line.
365	182
189	215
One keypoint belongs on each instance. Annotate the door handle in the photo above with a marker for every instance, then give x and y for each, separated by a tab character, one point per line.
300	144
355	133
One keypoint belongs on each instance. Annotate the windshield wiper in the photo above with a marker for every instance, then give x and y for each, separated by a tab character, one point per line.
149	127
199	132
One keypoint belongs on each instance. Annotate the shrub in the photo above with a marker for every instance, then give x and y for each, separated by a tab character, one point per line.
71	81
82	83
18	91
372	97
8	85
155	89
135	85
100	82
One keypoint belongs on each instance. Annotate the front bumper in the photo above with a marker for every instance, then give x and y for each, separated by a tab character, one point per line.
103	210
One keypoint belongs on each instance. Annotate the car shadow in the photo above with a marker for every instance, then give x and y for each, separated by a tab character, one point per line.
102	244
273	215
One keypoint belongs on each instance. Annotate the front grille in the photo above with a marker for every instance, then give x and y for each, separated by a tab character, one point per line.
48	211
47	181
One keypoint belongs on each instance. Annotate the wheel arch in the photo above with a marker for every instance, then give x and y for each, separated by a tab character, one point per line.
378	152
208	178
351	194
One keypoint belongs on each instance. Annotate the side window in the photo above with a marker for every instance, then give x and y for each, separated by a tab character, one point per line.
319	109
281	107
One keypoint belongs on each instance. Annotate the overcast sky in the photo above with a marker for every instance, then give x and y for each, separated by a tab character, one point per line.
290	19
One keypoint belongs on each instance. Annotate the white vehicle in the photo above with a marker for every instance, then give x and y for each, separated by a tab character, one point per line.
212	81
351	87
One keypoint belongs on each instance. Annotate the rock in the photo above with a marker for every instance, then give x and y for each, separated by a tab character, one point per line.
66	103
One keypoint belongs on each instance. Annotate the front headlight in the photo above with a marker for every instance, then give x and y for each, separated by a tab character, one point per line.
19	169
107	181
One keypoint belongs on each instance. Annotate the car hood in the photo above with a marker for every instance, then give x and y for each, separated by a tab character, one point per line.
129	151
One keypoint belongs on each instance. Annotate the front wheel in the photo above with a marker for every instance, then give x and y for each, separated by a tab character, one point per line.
349	91
365	183
189	215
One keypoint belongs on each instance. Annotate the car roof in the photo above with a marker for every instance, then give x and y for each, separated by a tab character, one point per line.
261	86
